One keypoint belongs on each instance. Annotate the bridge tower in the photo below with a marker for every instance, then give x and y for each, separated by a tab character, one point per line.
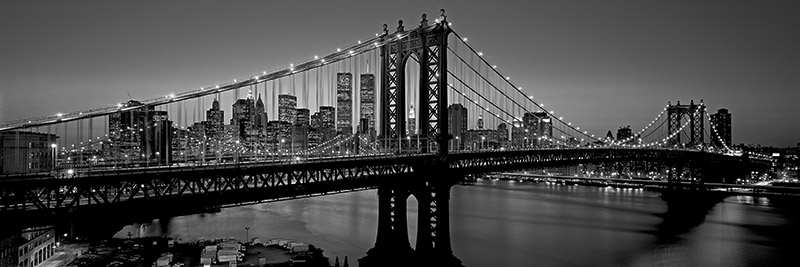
431	182
695	114
428	43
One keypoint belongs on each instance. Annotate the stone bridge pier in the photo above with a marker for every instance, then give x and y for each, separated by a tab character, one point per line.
431	187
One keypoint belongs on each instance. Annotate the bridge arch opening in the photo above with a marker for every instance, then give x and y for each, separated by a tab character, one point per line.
411	82
412	213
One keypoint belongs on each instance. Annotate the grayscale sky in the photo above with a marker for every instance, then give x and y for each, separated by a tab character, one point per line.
600	64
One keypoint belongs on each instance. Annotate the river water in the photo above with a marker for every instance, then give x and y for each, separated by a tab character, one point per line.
506	223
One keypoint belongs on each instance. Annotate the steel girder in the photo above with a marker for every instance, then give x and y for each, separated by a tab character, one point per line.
57	194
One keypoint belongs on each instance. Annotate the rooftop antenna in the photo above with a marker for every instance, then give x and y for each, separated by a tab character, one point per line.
129	96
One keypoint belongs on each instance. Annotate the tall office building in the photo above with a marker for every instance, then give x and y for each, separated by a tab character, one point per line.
327	116
344	103
624	133
215	115
243	111
132	133
302	117
721	122
260	114
316	120
457	126
412	121
544	125
244	116
368	100
286	108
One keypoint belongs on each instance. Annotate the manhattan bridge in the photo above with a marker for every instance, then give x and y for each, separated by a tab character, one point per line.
176	150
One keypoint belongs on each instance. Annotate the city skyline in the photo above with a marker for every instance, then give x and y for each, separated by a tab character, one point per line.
606	68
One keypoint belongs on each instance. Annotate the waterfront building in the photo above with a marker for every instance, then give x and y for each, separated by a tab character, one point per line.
721	122
344	103
457	126
30	248
27	152
482	139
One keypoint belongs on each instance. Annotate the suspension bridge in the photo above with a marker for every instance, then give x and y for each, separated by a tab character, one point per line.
471	119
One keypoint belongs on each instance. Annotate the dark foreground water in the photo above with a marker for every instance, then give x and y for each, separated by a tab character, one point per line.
498	223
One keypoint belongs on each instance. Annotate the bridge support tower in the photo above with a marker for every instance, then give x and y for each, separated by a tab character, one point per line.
695	113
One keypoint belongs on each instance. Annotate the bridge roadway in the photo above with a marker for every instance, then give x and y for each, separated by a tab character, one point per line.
244	182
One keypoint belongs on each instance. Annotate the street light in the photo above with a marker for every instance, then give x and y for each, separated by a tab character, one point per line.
247	234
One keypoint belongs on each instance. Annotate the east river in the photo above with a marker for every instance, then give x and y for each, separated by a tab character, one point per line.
502	223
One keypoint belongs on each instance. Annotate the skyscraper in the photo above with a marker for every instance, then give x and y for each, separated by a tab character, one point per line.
327	113
624	133
243	111
286	108
316	120
721	122
302	117
215	116
344	103
368	100
133	133
244	114
412	121
260	114
457	126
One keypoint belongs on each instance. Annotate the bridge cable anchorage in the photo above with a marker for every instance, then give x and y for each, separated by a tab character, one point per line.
507	80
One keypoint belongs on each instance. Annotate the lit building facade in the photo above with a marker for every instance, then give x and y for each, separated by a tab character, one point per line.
287	105
27	152
721	122
344	103
457	126
367	101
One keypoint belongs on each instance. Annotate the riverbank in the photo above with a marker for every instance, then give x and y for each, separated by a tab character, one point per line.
166	252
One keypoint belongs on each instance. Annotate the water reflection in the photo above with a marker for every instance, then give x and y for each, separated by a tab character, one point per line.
498	223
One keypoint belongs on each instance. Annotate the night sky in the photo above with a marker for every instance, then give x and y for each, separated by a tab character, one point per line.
600	64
